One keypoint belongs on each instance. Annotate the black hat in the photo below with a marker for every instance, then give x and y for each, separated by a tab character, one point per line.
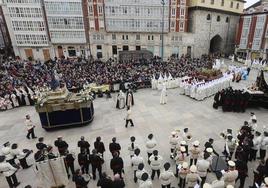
6	144
185	130
218	174
166	166
137	151
252	113
140	166
2	158
150	136
155	152
257	133
132	139
144	176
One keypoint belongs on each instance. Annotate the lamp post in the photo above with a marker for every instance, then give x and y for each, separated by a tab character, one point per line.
162	34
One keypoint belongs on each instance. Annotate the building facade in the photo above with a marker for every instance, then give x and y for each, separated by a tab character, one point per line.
252	35
26	25
103	28
214	24
65	23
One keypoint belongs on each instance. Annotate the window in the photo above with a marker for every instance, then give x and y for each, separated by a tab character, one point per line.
182	12
152	37
212	2
173	11
100	9
138	48
113	36
149	37
222	2
173	24
126	37
232	4
99	47
208	17
203	1
123	37
218	18
90	9
227	20
138	37
114	49
181	26
237	5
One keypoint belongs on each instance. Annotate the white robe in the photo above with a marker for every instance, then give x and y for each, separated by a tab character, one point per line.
14	100
163	98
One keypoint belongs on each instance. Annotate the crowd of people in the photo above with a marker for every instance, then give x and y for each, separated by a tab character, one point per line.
193	162
20	80
231	100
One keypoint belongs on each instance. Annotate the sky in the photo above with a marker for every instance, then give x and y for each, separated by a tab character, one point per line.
250	2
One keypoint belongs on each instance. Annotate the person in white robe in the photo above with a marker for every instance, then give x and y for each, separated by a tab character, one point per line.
232	58
154	82
120	101
8	102
163	97
14	100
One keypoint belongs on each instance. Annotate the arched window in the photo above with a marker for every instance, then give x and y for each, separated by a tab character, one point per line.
227	19
208	17
237	6
218	18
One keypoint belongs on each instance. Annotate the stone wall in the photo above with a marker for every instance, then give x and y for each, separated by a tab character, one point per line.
204	30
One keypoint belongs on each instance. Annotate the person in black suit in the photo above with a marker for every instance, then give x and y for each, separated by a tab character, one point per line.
83	145
40	145
99	146
114	147
117	164
61	145
96	163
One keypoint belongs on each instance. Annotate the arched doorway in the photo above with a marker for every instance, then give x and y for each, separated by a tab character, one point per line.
215	44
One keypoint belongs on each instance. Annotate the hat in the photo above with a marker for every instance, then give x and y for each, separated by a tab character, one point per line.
266	181
184	165
166	166
231	163
6	144
207	185
196	143
193	168
252	113
183	142
182	149
209	150
229	186
5	150
173	133
2	158
59	136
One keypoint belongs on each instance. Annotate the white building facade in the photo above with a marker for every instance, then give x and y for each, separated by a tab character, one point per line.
121	25
67	33
26	25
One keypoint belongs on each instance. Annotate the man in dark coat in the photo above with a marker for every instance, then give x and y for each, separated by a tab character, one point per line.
105	181
83	145
99	146
96	163
40	145
242	168
209	145
83	161
114	147
61	145
117	164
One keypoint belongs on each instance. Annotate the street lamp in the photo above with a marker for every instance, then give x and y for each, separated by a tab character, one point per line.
162	34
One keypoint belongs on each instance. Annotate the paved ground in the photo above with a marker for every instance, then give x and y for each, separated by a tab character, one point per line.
149	117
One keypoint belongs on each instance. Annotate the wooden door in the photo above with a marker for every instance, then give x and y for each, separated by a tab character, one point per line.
46	54
29	53
60	52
